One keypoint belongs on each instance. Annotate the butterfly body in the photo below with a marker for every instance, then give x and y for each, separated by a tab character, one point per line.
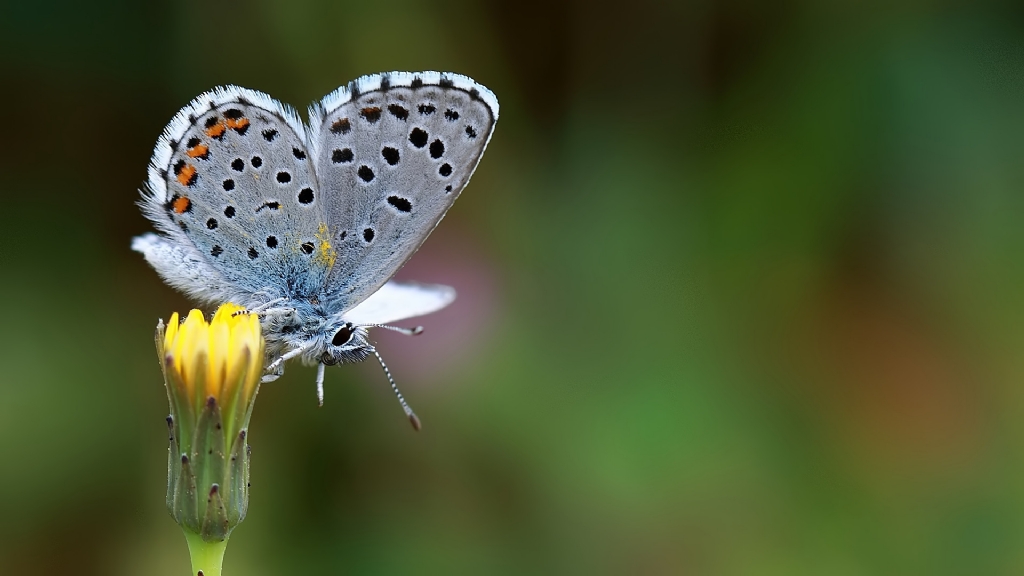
306	224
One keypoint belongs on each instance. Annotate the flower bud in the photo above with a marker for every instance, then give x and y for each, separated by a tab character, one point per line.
212	373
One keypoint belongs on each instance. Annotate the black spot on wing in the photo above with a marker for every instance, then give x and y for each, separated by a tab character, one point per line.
342	156
398	111
400	204
436	149
418	137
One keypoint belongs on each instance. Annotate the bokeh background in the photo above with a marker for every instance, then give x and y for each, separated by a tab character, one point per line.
741	292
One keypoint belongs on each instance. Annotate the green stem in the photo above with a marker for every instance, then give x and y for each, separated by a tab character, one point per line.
207	557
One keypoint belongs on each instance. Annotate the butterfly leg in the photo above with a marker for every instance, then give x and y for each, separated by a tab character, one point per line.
279	363
271	375
288	313
320	383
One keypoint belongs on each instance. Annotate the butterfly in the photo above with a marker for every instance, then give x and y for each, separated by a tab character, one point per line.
305	225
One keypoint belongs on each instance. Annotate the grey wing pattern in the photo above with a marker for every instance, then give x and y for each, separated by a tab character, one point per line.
393	152
184	268
230	185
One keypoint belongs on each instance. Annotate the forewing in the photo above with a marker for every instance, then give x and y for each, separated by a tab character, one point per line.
400	300
393	152
231	178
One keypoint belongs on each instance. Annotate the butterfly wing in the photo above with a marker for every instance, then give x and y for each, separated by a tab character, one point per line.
397	301
185	268
232	190
393	152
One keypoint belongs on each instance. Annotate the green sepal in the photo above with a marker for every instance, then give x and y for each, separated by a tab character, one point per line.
173	463
181	409
208	448
185	507
216	526
238	479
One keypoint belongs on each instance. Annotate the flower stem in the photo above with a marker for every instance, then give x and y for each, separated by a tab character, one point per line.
207	557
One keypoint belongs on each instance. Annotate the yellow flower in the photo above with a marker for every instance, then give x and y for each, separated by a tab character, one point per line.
230	343
222	359
212	372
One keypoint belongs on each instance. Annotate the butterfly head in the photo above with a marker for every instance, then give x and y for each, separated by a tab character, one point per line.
348	343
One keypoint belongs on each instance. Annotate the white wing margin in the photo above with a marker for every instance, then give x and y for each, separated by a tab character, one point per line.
397	301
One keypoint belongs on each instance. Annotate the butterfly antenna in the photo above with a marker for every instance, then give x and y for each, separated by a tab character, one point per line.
414	331
405	406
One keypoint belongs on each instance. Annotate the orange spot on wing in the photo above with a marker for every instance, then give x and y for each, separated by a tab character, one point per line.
187	176
181	205
197	151
341	126
217	130
237	123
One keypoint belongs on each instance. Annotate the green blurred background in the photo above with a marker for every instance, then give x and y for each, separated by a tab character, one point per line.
741	292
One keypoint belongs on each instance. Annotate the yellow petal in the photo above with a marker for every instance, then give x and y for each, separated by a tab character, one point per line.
213	359
171	332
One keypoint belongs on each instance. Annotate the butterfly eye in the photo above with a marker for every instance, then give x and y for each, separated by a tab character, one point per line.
342	336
